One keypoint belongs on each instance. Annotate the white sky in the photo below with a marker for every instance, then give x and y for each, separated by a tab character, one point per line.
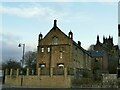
22	22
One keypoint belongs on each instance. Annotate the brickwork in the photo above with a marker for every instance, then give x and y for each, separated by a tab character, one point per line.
62	50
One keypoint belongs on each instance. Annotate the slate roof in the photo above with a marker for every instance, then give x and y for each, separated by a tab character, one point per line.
96	53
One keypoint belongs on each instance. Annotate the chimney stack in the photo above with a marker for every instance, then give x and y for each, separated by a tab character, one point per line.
55	23
79	43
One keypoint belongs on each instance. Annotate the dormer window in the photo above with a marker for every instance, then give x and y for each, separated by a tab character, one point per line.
55	40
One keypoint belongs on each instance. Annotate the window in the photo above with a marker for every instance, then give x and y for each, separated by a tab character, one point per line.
60	55
60	65
42	49
96	59
42	65
48	49
61	48
54	40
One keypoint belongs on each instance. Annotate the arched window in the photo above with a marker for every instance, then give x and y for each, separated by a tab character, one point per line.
55	40
60	65
42	65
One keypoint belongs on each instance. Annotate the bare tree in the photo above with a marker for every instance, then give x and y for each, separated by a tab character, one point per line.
30	59
11	63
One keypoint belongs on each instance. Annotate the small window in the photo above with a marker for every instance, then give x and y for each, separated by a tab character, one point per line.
96	59
42	65
54	40
48	49
61	49
60	55
42	49
60	65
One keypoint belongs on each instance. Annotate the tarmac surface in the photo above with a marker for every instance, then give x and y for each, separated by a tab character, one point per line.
59	89
3	87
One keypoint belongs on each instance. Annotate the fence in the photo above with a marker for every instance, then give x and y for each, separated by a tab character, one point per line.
40	71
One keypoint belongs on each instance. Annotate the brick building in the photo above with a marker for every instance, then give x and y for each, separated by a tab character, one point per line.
58	50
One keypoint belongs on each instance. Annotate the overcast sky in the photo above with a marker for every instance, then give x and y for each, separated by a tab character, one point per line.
23	21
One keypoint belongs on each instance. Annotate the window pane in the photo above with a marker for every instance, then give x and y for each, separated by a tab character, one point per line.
60	55
48	49
42	49
55	40
42	65
61	65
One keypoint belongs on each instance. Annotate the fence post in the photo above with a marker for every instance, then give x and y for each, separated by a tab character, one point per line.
27	71
11	71
75	73
51	71
32	72
65	72
39	72
17	72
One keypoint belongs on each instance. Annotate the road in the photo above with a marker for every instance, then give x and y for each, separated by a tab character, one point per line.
60	89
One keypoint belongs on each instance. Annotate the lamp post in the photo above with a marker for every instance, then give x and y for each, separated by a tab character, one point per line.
22	61
20	45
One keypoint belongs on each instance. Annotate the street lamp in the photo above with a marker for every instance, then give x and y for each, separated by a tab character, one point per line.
22	61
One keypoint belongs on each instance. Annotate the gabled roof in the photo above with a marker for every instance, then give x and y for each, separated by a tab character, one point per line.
56	28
